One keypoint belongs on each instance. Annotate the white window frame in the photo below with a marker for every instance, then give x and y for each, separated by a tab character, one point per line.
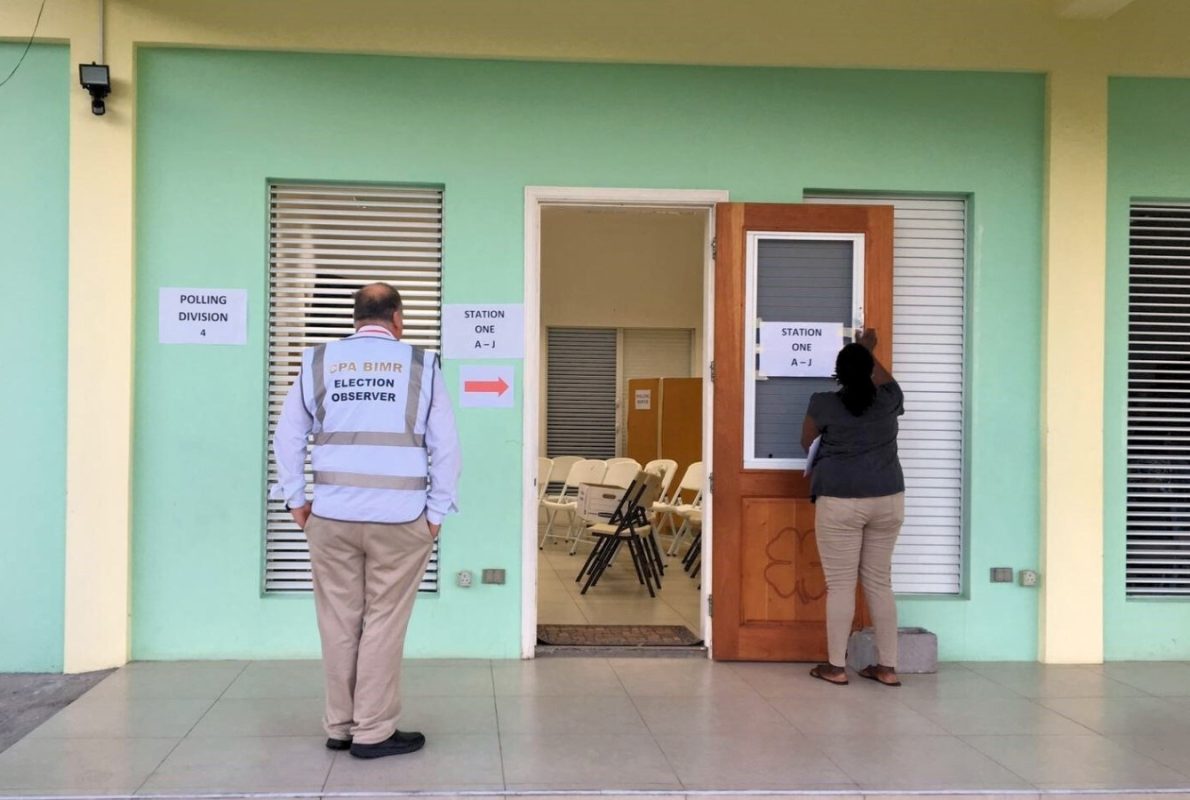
752	324
282	542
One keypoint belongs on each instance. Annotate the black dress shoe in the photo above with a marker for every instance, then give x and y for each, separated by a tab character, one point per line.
396	745
338	744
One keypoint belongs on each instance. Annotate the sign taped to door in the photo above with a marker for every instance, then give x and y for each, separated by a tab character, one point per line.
799	349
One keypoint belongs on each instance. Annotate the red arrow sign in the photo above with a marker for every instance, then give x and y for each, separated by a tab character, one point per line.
497	387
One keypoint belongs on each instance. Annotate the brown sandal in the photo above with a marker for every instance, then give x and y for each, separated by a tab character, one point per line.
823	670
875	671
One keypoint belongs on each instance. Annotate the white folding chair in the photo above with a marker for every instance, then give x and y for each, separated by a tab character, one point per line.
667	468
673	506
621	472
545	466
584	471
560	471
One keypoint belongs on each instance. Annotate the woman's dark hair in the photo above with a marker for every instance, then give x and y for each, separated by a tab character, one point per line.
853	371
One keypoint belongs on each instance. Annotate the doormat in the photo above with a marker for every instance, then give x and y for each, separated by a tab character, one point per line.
617	636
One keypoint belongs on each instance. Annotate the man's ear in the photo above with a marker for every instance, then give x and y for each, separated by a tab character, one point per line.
398	323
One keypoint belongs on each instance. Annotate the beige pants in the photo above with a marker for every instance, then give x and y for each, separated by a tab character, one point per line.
855	540
365	581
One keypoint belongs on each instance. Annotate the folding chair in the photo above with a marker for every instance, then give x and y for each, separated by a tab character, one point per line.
545	466
621	472
559	473
667	468
584	471
629	526
693	560
673	506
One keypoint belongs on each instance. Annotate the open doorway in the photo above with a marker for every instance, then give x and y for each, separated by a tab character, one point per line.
618	332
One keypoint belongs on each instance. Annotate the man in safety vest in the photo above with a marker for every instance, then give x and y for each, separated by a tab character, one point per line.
386	468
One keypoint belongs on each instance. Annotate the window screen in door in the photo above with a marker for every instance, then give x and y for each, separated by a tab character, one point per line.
795	279
326	241
1158	482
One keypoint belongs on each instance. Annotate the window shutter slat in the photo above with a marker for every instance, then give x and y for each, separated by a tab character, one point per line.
324	243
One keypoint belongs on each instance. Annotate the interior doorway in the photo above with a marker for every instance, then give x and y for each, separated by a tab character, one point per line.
619	318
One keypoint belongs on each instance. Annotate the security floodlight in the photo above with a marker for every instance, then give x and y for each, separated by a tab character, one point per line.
97	80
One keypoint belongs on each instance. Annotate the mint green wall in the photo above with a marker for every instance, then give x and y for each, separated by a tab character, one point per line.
214	126
34	168
1148	159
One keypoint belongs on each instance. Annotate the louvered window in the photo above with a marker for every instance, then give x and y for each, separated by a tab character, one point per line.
581	393
1158	488
929	304
326	241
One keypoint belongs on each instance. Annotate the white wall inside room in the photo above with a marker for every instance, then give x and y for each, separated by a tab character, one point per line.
629	268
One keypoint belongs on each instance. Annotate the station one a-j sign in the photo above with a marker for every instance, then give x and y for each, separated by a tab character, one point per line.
799	349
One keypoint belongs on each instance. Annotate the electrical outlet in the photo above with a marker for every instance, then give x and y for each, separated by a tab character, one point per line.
493	576
1029	577
464	579
1001	574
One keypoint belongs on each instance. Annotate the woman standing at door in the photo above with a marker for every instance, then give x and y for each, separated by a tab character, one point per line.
860	503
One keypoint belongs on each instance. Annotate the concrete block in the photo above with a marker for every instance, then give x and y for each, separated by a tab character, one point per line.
917	650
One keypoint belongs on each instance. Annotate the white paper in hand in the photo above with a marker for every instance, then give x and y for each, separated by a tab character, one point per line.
812	454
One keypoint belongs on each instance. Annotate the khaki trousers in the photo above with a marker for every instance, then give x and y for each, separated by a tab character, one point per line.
366	576
855	540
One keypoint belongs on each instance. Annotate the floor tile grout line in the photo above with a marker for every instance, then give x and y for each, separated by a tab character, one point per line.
1131	748
499	731
769	702
203	716
652	736
996	761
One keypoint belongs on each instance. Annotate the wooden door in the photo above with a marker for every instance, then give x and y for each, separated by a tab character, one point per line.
768	589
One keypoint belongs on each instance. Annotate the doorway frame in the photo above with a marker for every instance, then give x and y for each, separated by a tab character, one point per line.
536	198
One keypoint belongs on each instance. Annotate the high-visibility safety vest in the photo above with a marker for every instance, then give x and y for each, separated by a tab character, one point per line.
369	397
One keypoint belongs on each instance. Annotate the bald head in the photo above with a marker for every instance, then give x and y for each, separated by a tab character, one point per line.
378	304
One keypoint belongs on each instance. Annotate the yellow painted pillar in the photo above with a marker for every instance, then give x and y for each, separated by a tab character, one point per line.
100	347
1071	621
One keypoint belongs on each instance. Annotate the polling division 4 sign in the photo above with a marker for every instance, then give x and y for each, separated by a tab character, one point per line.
202	316
799	349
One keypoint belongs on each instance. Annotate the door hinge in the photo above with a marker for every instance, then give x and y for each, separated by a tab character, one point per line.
712	372
715	247
711	483
710	605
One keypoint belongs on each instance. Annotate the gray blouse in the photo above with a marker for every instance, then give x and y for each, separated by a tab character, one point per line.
858	455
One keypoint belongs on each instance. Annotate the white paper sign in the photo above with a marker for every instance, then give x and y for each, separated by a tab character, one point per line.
486	387
202	316
643	400
799	349
472	330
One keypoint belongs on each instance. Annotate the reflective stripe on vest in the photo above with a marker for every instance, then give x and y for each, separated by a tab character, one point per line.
372	438
361	481
317	368
412	405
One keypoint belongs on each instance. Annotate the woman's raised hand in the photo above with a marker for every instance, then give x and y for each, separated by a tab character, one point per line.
868	338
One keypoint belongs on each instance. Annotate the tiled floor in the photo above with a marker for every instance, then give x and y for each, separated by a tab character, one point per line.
618	599
674	727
